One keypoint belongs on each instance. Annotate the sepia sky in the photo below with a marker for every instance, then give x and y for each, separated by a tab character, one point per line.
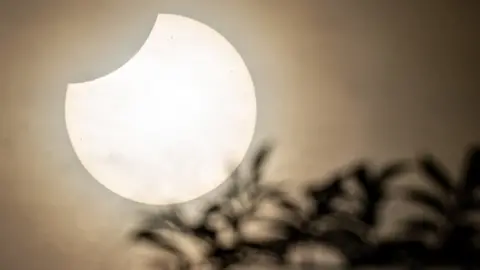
336	81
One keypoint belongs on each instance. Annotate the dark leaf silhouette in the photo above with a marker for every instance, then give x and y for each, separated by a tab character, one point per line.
156	240
429	200
471	177
164	220
259	162
322	195
226	257
352	245
205	232
234	188
261	156
290	208
437	173
392	170
374	185
363	176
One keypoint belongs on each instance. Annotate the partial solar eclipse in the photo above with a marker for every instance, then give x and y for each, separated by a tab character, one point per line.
172	123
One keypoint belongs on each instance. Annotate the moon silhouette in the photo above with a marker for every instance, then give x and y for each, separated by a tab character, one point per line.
172	123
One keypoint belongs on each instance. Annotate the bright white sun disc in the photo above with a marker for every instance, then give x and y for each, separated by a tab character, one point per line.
163	128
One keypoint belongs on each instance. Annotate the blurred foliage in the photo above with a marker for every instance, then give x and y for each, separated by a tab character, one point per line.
353	234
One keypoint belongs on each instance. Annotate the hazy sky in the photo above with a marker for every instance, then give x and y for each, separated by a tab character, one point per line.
336	81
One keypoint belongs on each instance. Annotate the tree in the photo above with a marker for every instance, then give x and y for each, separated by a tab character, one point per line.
150	232
350	233
294	229
374	186
452	206
323	196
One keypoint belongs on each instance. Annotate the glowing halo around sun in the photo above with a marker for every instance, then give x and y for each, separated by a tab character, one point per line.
164	127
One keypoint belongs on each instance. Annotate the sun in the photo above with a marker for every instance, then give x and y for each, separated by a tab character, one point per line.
162	128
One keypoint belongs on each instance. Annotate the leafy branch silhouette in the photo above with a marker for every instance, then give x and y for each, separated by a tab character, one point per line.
353	234
453	207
